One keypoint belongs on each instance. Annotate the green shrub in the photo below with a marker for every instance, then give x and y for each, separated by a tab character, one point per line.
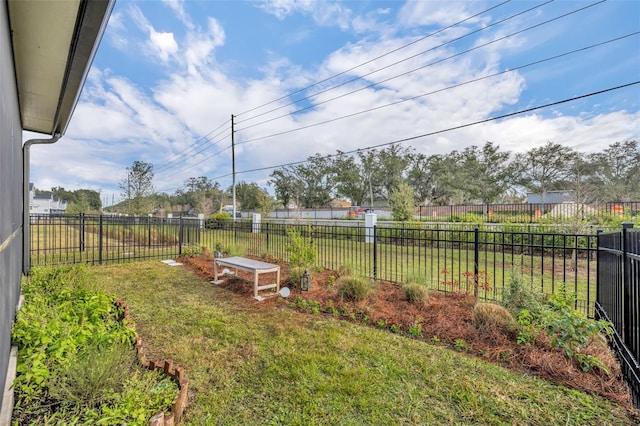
191	250
353	288
520	296
300	250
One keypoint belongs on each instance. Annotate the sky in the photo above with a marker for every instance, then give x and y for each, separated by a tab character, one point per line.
303	77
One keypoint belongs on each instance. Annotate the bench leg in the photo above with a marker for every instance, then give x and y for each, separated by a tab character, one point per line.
255	284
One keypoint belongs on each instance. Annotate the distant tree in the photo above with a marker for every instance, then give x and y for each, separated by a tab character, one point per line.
402	202
250	195
137	187
392	165
484	174
201	193
80	200
351	181
310	184
288	187
618	168
545	167
431	179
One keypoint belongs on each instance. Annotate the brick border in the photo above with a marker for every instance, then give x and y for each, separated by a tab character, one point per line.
166	366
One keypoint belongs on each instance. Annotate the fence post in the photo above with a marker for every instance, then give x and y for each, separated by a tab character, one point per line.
180	236
100	240
375	252
149	231
81	217
626	287
266	229
476	259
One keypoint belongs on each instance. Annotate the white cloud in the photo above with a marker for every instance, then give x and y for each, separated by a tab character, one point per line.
417	13
325	13
159	44
178	7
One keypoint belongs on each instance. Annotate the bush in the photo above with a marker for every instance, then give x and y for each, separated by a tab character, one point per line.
520	296
353	288
191	250
218	220
416	293
301	251
490	315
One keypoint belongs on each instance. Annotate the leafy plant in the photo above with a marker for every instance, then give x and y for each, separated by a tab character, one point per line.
395	328
460	345
301	251
191	250
415	329
353	288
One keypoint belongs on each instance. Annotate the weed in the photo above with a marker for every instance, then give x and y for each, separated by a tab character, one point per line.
415	330
331	281
395	328
435	339
506	355
381	324
460	345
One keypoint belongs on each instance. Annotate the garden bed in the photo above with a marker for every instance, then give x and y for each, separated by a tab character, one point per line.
444	319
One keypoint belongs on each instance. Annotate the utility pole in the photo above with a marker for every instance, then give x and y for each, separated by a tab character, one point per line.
233	166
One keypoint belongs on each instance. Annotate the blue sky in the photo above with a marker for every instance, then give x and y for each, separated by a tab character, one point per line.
169	74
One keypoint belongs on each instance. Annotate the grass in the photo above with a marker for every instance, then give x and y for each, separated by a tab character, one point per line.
249	365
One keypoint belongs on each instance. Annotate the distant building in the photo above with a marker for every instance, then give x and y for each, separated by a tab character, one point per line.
552	197
45	203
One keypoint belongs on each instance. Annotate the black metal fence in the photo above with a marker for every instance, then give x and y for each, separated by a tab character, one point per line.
479	261
618	299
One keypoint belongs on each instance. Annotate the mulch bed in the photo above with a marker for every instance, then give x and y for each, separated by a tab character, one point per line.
445	318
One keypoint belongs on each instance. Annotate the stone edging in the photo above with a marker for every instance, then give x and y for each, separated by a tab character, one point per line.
177	374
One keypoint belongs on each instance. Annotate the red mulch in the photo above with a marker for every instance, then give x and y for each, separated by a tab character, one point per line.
445	318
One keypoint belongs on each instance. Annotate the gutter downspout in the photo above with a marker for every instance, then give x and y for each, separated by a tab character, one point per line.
26	223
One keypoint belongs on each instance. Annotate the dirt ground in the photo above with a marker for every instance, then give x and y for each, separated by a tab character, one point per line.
444	319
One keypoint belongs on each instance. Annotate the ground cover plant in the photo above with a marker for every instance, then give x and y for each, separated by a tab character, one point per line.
263	363
76	361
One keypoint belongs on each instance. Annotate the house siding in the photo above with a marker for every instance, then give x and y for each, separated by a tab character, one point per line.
10	193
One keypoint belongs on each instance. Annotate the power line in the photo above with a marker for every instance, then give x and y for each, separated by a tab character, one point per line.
195	149
386	67
449	129
441	90
372	60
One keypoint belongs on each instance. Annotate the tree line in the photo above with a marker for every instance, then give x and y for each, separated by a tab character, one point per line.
477	174
399	175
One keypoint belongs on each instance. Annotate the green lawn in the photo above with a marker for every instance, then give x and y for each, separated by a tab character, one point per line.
250	365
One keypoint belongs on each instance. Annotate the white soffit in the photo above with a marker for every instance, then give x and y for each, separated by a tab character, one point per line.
54	42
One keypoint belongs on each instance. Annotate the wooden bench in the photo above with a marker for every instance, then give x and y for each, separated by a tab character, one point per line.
249	265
